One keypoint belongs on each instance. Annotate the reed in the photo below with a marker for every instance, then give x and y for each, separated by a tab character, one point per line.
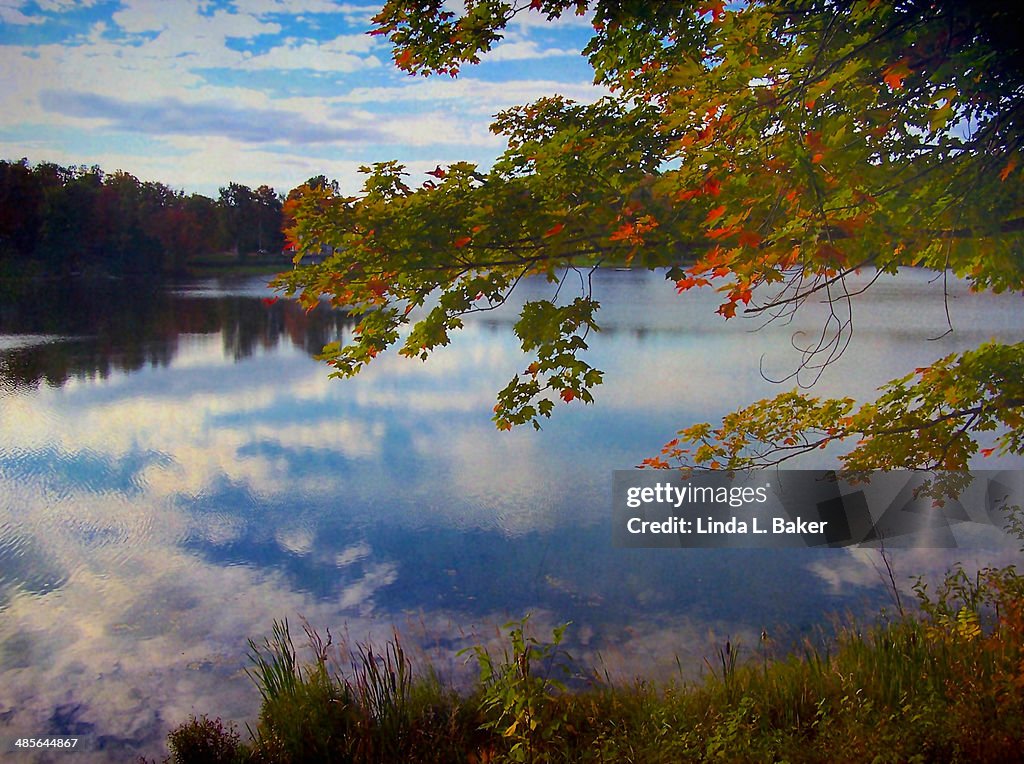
945	683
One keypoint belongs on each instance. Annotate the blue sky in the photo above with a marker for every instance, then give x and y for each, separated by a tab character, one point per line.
197	93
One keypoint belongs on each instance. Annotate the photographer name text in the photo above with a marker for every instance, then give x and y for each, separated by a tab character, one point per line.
690	496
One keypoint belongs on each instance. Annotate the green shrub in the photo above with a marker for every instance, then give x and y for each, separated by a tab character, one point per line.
205	741
944	685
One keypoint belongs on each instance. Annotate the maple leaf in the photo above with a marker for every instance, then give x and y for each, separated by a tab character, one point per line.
655	463
689	282
567	394
1005	173
624	231
378	287
749	239
716	213
712	187
780	216
894	74
813	141
741	293
404	59
721	233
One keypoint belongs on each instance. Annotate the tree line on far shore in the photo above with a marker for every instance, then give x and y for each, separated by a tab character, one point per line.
62	221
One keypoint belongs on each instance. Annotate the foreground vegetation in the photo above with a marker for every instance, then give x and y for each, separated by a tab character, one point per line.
945	684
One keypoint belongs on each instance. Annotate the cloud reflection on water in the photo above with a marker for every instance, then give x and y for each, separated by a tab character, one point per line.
155	517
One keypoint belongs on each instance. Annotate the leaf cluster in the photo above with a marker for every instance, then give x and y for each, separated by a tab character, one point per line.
766	150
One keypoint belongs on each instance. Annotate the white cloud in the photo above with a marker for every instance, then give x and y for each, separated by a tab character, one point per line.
479	96
187	29
10	13
60	6
526	49
296	540
302	7
153	87
344	54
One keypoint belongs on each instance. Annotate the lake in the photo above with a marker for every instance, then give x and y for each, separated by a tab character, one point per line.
177	472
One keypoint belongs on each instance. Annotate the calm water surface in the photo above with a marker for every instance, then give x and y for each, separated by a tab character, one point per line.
177	471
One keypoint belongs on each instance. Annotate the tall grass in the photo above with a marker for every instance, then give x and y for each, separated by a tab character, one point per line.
943	685
372	710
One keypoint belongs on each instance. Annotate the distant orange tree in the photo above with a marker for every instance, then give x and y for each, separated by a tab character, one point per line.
766	150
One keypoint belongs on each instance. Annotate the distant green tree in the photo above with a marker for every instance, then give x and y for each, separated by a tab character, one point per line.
68	239
239	217
269	203
74	219
21	210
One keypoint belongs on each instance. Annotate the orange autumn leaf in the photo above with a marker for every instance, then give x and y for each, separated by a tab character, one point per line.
715	8
712	187
463	241
894	74
404	59
689	282
655	463
749	239
790	259
727	309
813	141
831	254
721	233
567	394
554	230
625	231
716	213
1005	173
